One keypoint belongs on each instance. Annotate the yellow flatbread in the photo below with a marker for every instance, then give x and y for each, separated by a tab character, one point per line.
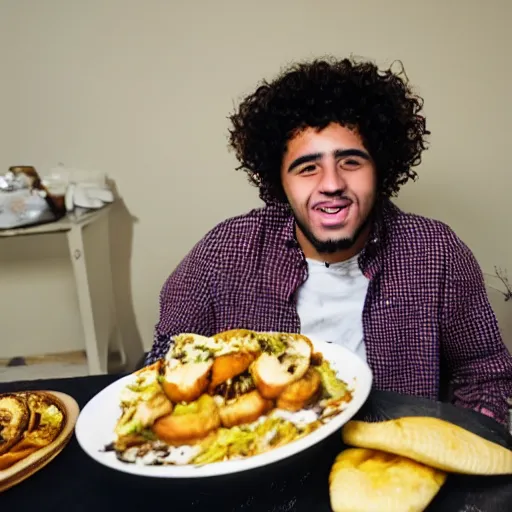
363	480
434	442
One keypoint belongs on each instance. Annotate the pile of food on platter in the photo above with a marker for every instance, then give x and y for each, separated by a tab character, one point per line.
230	396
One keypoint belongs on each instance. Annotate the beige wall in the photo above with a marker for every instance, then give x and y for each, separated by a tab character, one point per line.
141	90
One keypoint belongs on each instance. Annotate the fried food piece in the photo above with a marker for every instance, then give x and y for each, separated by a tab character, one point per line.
303	339
230	334
237	340
186	346
244	409
228	366
332	386
317	358
363	480
155	367
128	441
10	458
143	401
187	382
143	386
189	423
148	412
269	376
142	415
272	373
14	418
233	388
278	342
301	392
45	422
434	442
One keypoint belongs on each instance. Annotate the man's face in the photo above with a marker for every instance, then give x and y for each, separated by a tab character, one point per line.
330	182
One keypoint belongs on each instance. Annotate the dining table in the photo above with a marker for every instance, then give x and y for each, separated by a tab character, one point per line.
300	483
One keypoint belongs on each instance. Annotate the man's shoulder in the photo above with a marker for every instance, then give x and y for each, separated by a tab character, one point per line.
425	246
251	222
248	233
423	232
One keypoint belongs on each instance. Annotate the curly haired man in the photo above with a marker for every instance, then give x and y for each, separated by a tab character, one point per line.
328	143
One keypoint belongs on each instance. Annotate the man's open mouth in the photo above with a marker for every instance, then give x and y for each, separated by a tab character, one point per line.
332	210
332	214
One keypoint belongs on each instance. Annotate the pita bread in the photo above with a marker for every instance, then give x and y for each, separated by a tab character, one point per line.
363	480
434	442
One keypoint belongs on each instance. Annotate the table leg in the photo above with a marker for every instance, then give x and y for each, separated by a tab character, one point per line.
93	280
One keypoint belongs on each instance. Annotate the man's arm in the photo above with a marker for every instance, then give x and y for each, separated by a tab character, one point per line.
479	362
185	301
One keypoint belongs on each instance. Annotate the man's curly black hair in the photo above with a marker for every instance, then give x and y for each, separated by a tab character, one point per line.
378	104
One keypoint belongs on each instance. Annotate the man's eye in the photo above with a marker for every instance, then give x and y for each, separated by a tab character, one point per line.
351	163
309	168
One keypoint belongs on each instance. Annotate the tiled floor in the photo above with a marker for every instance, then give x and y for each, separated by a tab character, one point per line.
47	366
42	371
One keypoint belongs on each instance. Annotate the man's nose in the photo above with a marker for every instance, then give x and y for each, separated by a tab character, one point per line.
332	181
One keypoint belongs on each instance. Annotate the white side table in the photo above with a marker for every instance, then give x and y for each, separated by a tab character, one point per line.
89	249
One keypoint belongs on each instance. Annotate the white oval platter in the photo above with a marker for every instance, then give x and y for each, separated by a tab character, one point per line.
95	426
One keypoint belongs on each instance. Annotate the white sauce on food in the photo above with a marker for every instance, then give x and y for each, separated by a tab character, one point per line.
299	419
175	455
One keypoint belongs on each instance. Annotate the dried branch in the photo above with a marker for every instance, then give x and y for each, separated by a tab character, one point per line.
503	277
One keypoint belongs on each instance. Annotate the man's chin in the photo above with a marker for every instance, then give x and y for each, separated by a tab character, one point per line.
328	242
324	236
331	246
333	235
336	241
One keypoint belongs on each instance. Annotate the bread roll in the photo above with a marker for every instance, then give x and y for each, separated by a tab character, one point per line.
228	366
363	480
189	423
299	393
187	382
245	409
273	372
434	442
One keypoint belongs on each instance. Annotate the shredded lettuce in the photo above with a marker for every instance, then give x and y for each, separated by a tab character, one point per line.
130	427
333	386
272	344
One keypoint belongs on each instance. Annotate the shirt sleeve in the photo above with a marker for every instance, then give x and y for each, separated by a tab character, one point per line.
186	303
478	360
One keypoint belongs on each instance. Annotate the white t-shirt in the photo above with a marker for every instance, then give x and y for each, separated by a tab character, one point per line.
330	303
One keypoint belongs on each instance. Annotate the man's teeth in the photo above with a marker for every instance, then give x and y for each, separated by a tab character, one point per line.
331	210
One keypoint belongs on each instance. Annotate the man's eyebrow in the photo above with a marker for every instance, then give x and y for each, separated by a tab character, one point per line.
339	153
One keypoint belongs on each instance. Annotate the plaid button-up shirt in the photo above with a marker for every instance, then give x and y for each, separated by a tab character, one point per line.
426	319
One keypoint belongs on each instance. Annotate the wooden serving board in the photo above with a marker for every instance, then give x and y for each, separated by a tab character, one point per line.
40	458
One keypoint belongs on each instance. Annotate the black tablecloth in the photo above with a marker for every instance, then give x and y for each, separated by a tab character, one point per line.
73	481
